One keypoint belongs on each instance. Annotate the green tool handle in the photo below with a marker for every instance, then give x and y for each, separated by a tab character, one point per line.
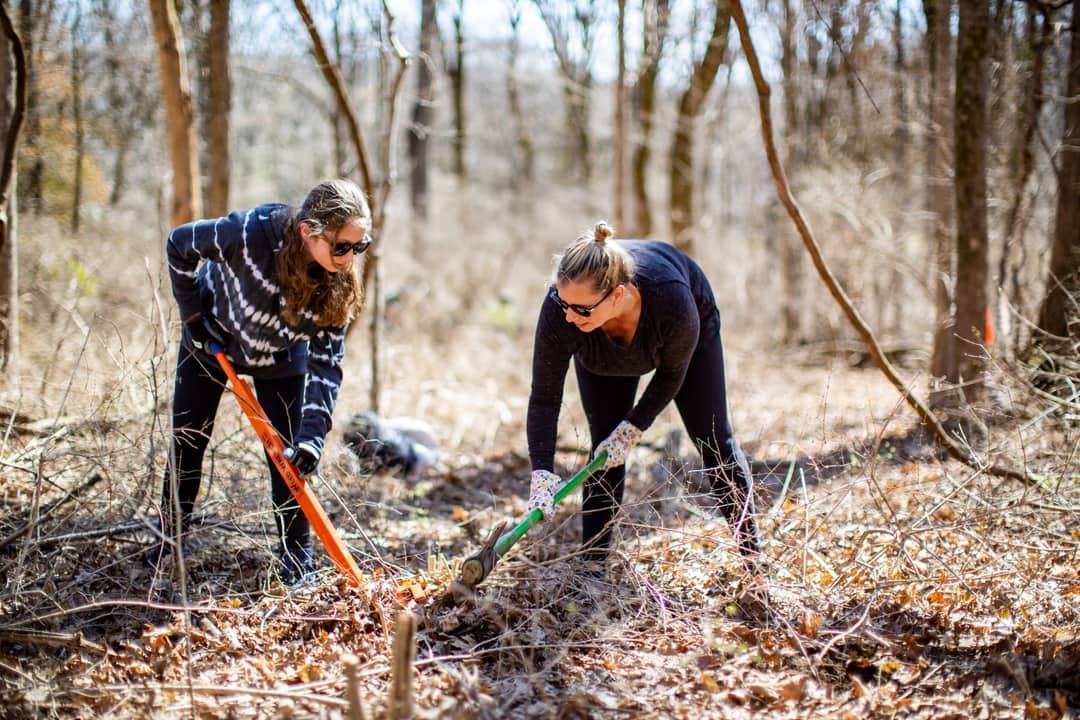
509	538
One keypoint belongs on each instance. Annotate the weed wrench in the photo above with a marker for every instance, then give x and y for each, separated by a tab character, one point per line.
479	566
275	448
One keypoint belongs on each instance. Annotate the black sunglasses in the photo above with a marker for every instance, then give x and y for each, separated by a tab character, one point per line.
340	249
582	310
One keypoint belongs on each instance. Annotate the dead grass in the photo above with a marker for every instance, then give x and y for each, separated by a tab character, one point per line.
897	584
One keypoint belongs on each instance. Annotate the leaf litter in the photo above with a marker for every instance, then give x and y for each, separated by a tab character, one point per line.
897	584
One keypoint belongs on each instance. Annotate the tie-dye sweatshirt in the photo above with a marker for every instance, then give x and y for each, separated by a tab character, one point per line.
224	268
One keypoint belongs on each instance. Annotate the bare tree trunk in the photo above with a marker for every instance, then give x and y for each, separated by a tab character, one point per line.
456	70
1022	163
938	46
655	26
129	91
900	134
218	105
423	114
577	77
894	303
179	113
619	140
790	251
972	242
524	169
115	95
29	21
851	62
961	453
1059	315
12	108
682	146
77	120
811	126
579	151
377	196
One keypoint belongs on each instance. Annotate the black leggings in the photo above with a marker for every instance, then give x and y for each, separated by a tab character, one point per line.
702	404
200	382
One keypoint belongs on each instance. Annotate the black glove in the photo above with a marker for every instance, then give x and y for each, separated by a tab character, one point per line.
204	330
303	457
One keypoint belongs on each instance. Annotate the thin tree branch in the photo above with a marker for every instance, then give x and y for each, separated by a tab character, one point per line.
333	77
962	454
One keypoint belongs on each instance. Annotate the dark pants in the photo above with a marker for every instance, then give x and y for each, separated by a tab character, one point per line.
199	385
702	404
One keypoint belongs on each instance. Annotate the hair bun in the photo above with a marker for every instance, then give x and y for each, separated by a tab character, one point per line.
602	231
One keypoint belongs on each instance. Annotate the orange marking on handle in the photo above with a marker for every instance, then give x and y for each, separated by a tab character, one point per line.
275	448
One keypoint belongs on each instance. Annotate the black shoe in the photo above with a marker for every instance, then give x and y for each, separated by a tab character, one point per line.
156	555
164	546
591	569
161	551
296	566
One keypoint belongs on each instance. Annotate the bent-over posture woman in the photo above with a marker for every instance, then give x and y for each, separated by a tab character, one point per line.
620	309
275	287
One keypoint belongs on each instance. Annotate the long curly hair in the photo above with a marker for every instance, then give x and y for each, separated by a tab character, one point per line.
333	298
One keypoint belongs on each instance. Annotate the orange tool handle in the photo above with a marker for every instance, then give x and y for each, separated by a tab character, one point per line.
275	448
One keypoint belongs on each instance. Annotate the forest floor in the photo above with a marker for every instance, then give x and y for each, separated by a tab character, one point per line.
897	583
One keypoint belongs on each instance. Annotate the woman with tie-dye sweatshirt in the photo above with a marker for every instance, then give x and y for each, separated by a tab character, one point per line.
275	286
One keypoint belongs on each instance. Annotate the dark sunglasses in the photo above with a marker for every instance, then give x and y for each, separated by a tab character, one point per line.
340	249
582	310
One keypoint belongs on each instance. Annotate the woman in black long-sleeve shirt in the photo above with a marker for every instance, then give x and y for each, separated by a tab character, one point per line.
621	309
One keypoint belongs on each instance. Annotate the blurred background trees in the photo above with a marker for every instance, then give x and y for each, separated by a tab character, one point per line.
932	145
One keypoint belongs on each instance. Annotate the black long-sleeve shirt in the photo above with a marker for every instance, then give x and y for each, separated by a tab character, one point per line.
677	308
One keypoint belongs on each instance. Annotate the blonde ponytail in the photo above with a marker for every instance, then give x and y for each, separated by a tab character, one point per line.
592	259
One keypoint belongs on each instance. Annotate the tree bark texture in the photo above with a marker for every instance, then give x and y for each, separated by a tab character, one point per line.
900	135
218	155
655	25
77	121
423	114
179	113
619	136
525	162
12	109
456	70
681	165
30	22
1059	315
938	200
972	239
577	78
790	250
1021	165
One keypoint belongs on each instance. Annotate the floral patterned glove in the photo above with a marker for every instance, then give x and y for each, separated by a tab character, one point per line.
542	491
619	444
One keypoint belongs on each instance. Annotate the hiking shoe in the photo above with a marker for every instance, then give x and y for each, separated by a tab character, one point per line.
296	567
156	555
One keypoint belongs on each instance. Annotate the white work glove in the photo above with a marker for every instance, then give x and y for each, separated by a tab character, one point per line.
542	488
619	444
